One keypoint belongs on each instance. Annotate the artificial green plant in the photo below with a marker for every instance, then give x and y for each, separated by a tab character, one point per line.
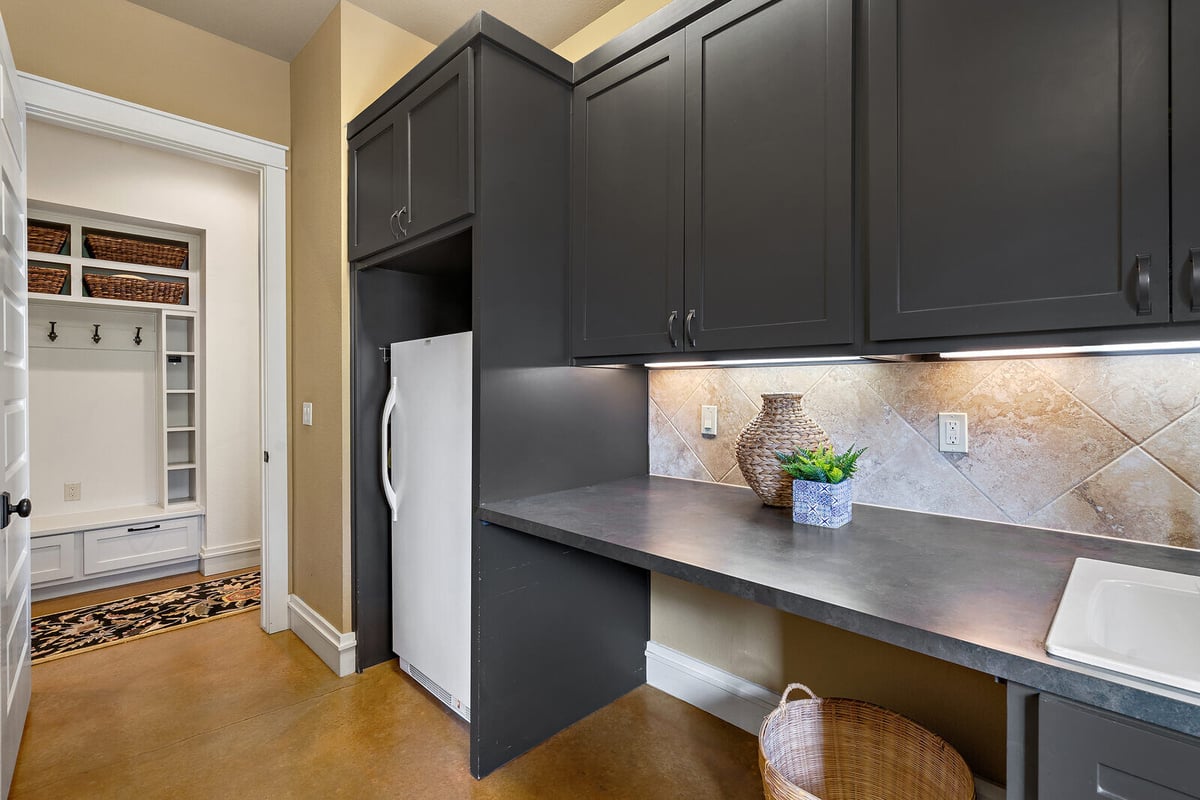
822	465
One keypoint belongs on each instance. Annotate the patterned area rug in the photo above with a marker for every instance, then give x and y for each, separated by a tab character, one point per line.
68	632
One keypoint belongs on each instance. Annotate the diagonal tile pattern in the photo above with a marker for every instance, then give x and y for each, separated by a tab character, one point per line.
1030	440
734	410
1054	442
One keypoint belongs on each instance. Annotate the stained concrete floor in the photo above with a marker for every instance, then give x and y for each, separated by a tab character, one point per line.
223	710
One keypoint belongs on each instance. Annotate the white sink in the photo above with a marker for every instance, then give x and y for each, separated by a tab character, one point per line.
1137	621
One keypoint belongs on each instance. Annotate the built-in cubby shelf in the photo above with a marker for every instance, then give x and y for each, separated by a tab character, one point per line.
142	364
79	262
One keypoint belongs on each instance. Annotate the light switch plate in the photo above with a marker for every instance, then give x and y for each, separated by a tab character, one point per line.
952	432
708	420
306	414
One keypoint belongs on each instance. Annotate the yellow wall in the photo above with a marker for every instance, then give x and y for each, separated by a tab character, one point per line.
617	20
123	50
349	62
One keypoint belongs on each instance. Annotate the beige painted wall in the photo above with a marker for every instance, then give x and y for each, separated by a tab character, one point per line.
96	173
349	62
316	292
617	20
120	49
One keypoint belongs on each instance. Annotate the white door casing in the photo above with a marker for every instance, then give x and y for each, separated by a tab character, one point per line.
79	109
14	429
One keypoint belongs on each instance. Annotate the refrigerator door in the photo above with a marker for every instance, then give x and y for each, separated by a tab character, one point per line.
431	537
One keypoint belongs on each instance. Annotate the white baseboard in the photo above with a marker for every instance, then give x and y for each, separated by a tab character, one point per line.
228	557
730	697
68	586
335	648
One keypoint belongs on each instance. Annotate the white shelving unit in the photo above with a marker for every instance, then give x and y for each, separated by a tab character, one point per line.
165	534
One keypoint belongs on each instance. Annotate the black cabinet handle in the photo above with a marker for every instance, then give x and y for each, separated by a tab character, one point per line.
687	327
1142	286
1194	256
146	528
674	315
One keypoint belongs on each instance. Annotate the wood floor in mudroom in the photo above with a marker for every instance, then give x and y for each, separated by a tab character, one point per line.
223	710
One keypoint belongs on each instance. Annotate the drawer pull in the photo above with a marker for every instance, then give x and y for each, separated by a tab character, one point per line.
1194	257
1142	285
146	528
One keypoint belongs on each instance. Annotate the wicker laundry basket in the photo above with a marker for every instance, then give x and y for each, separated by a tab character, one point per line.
838	749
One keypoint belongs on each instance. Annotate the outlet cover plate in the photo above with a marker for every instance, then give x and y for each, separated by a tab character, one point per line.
72	491
952	432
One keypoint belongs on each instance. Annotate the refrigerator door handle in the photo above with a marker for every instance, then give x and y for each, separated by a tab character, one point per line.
389	405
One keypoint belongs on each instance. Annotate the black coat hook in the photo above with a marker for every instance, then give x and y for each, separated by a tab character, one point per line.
137	337
96	333
53	334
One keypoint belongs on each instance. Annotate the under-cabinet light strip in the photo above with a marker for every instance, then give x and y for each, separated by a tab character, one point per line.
746	362
1026	352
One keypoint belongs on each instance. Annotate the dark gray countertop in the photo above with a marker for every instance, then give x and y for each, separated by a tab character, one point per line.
979	594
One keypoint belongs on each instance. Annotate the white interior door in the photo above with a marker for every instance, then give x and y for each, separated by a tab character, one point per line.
14	430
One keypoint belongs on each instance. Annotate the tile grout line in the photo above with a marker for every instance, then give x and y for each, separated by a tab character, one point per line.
680	437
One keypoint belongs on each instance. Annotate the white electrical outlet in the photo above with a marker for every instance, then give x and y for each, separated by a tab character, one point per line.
72	491
952	432
306	414
708	420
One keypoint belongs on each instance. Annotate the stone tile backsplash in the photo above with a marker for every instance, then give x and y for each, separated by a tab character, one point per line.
1107	445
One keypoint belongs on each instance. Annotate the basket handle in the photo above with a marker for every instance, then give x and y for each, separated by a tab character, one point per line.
791	686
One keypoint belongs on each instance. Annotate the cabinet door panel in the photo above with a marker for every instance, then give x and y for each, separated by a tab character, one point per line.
1018	165
440	159
374	186
627	210
1084	753
769	174
1185	157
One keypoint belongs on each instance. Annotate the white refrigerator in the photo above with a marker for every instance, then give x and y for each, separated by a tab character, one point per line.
426	469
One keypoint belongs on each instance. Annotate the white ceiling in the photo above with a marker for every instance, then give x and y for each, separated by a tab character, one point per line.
280	28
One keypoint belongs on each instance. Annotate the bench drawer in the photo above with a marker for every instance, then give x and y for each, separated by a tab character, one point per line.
137	545
52	558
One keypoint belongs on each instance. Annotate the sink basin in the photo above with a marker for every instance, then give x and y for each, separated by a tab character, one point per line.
1137	621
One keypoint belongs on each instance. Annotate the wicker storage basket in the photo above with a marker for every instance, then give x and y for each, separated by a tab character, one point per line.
44	239
120	287
46	280
136	251
837	749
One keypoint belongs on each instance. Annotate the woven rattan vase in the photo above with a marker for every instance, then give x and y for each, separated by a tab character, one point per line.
781	426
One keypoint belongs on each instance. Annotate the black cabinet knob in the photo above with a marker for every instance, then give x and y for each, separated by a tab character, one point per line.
22	509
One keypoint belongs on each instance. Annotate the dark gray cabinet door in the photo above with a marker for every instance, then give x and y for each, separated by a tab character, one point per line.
376	156
1185	157
1018	165
439	180
769	141
627	206
1084	754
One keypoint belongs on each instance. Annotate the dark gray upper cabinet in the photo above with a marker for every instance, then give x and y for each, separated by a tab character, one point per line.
769	141
1084	753
712	203
627	205
412	170
441	150
1017	165
1185	157
375	159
